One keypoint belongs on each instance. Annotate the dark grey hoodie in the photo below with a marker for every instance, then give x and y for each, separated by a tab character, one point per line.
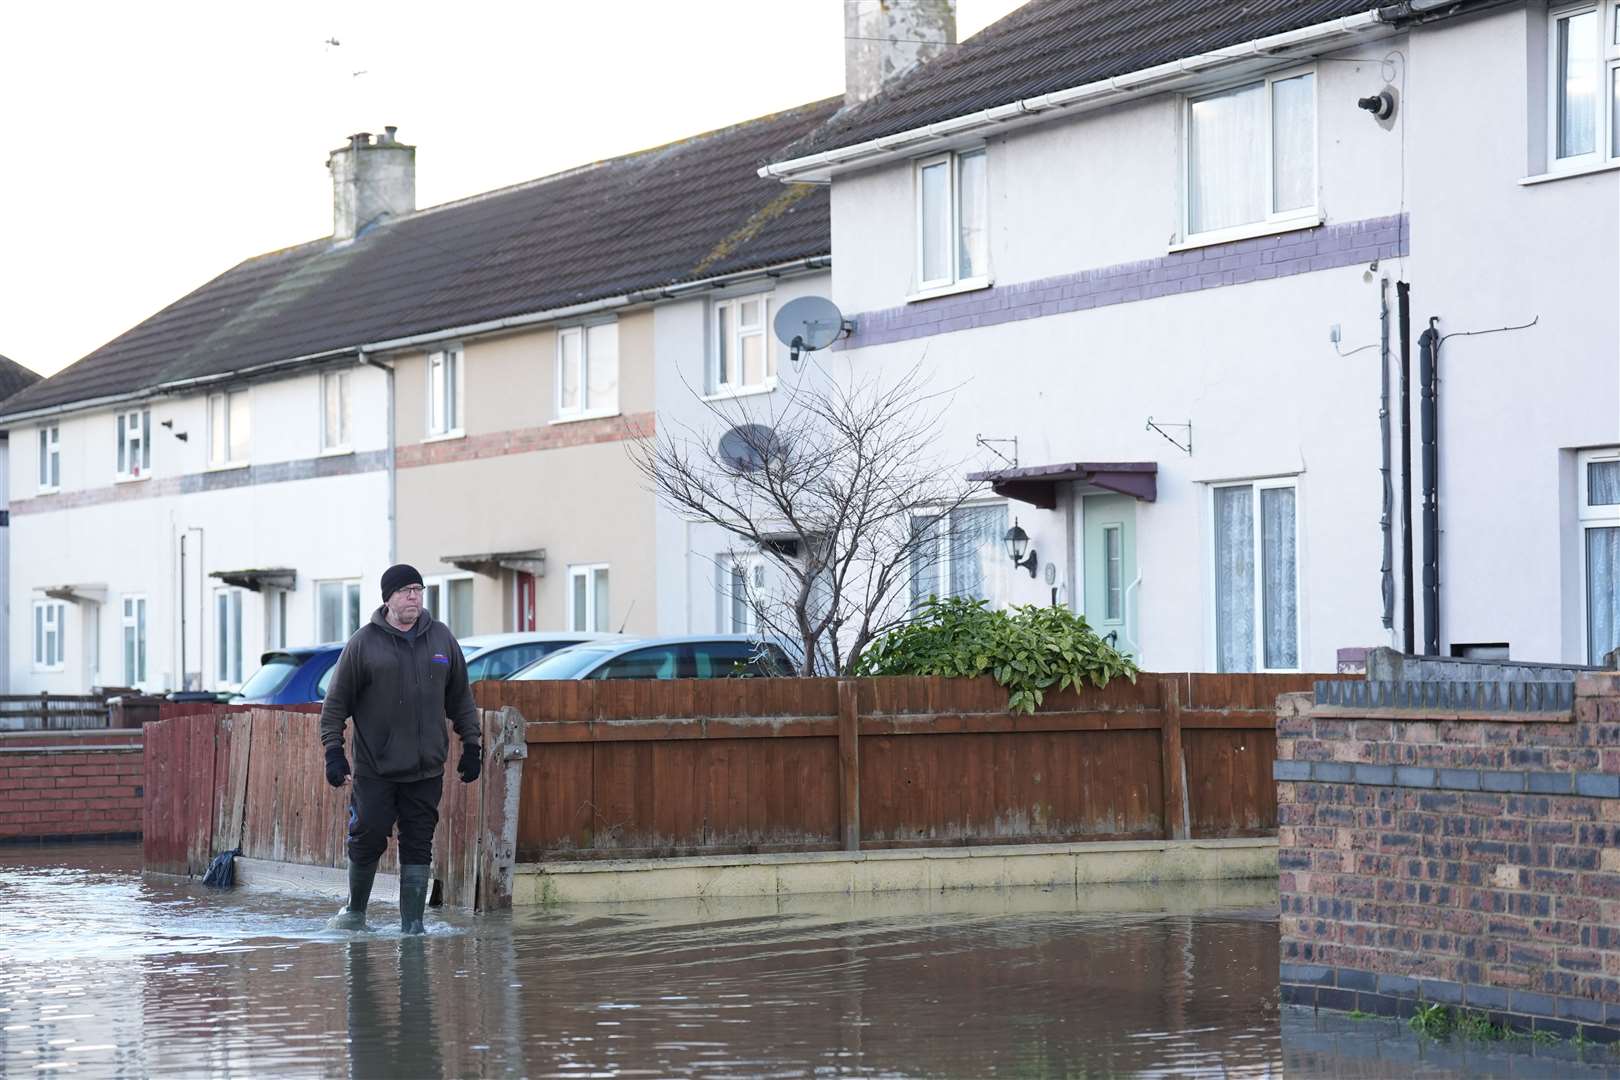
400	686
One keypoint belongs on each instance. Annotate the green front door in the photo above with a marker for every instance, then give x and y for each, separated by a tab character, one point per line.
1109	551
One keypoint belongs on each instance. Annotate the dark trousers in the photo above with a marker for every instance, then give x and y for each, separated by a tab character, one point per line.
374	807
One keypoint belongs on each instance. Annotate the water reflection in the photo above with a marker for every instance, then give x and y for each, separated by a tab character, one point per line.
104	973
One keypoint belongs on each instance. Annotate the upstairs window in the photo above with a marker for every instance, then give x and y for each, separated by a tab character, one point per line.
228	429
743	356
1584	99
588	371
952	226
336	411
444	392
134	444
50	458
1251	154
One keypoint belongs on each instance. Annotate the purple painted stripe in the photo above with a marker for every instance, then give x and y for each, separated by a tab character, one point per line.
1261	258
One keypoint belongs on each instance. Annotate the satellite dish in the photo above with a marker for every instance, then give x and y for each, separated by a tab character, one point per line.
747	447
808	324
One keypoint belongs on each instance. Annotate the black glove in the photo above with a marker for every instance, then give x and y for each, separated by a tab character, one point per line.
472	763
337	766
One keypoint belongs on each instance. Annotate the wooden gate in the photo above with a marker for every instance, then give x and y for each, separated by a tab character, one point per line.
256	779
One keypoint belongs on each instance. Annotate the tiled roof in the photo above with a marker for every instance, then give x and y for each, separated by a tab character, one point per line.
1050	45
14	377
687	211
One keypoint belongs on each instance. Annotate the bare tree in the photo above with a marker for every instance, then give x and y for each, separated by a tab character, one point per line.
835	482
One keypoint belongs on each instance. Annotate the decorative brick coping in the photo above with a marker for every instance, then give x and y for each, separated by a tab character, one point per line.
1345	989
1595	785
1489	700
1260	258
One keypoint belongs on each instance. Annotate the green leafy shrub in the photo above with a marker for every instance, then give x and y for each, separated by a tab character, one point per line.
1029	650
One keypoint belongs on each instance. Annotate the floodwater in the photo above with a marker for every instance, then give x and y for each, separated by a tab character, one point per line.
105	973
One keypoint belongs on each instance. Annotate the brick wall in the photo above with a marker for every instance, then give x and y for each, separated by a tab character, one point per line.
70	785
1454	854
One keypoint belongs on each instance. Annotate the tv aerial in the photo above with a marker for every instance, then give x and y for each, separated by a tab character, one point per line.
809	324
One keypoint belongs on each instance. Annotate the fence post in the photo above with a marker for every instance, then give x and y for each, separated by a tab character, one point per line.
1176	824
849	763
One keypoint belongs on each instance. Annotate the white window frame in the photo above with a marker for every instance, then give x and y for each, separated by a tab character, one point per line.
1258	600
446	399
228	666
732	338
1591	517
349	585
341	441
222	437
944	558
137	442
50	458
752	564
1604	145
438	603
133	609
953	282
52	631
589	572
579	411
1274	221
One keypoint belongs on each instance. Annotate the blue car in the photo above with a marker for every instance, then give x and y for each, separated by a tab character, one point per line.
290	676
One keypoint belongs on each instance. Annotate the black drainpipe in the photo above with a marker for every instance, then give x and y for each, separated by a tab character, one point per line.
1386	572
1429	376
1404	304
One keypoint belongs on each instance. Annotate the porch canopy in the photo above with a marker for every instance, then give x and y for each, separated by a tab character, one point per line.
258	580
1038	484
532	561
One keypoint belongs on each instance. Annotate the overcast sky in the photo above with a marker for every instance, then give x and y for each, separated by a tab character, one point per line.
146	148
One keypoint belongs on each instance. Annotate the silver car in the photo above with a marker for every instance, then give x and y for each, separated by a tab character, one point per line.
710	656
497	656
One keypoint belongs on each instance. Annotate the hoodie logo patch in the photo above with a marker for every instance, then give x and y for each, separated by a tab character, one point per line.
440	658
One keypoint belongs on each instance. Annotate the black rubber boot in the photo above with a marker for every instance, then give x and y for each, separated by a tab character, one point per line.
353	914
414	882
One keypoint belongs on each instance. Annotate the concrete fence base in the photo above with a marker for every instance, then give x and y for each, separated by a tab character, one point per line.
1053	866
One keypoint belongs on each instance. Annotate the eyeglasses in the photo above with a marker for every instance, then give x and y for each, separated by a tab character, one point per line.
411	590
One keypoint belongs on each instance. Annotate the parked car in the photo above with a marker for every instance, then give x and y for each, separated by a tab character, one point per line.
714	656
290	676
497	656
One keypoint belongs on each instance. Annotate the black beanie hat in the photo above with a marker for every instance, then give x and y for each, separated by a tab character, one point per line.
397	577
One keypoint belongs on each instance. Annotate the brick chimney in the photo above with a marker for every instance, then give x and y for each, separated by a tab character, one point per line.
373	178
884	39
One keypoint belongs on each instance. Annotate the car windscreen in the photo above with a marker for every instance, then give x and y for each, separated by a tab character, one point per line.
271	677
563	664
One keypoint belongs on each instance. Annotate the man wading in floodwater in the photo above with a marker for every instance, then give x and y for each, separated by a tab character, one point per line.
400	676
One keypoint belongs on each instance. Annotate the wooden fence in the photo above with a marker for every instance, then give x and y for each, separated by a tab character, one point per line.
682	767
223	777
53	712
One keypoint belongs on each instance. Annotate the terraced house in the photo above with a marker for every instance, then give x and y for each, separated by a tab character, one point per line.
454	386
1183	262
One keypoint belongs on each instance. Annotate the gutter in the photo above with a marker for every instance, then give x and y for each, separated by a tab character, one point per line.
807	264
1119	88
